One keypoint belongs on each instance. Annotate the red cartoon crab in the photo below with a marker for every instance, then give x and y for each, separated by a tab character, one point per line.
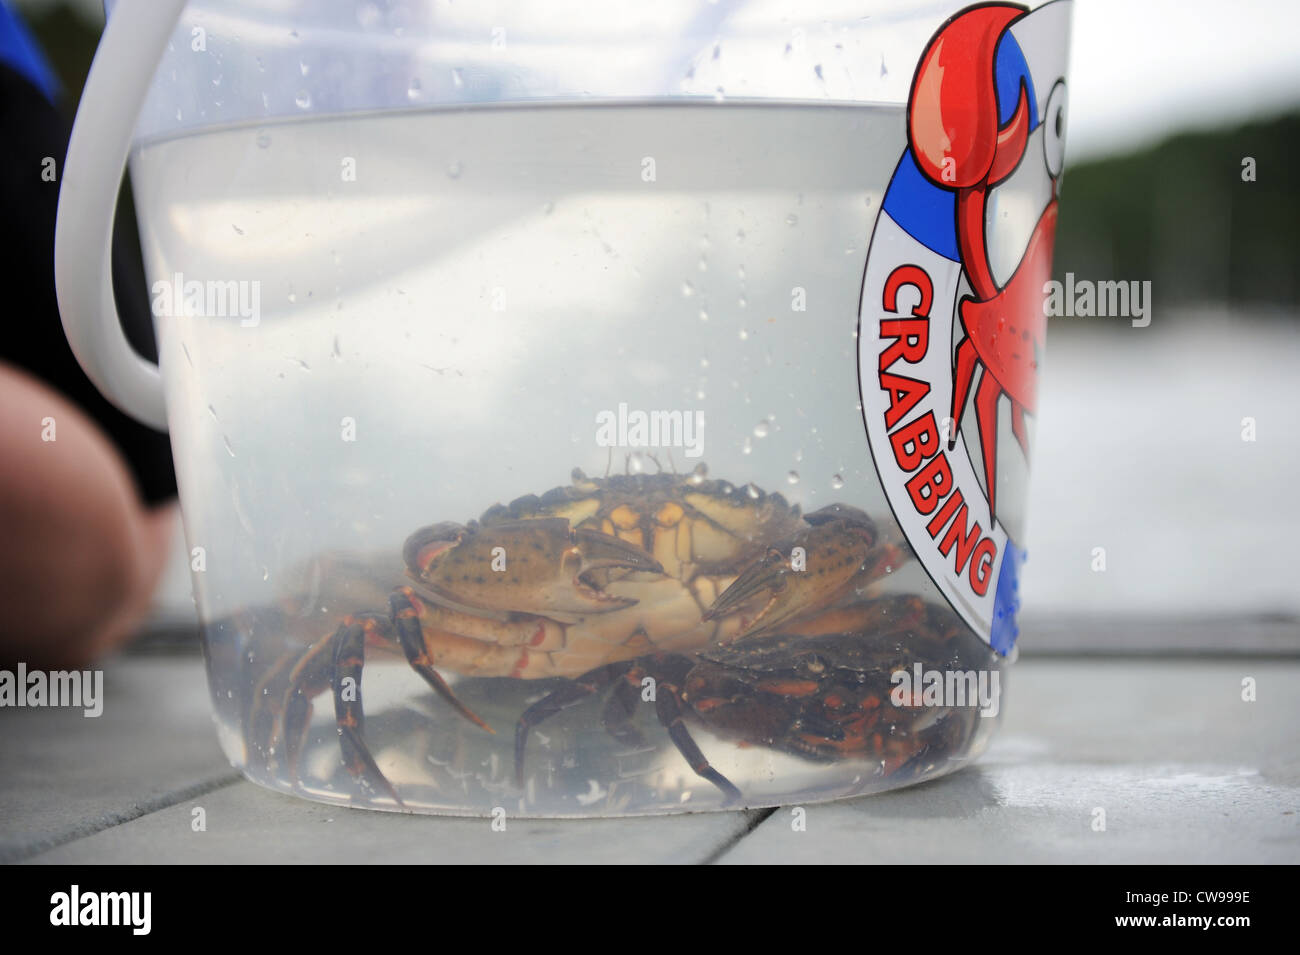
960	145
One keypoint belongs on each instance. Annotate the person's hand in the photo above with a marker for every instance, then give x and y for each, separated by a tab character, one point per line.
80	556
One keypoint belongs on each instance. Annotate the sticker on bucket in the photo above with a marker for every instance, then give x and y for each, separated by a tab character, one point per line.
951	322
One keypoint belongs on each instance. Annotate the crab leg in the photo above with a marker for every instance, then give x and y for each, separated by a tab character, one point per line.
310	677
668	708
263	720
573	692
338	662
406	622
349	658
616	718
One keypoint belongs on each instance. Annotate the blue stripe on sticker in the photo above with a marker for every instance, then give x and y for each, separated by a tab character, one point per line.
923	210
1006	600
1009	68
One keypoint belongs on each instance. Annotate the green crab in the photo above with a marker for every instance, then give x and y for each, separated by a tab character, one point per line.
613	572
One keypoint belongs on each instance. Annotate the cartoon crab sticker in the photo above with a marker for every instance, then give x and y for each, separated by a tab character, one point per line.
951	322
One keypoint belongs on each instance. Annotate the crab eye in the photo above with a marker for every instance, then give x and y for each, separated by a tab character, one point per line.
1054	130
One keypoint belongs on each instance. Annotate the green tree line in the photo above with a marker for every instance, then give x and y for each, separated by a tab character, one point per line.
1208	216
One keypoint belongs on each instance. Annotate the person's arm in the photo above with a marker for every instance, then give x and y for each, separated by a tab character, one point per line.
81	554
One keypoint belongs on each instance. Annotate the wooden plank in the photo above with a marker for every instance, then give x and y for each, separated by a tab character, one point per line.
66	775
246	823
1184	769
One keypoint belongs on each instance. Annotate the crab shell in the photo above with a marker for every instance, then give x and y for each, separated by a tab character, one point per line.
612	568
828	697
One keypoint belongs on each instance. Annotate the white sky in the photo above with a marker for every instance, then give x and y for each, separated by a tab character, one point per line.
1141	69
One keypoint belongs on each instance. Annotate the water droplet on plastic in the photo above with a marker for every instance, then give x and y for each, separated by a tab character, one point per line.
703	264
704	363
700	473
548	208
263	139
454	169
753	492
303	99
687	290
742	302
818	70
743	334
303	68
747	447
457	79
792	477
762	428
292	298
704	315
837	482
792	219
226	442
719	94
415	89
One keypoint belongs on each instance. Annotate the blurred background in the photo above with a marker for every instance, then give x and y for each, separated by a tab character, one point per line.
1165	446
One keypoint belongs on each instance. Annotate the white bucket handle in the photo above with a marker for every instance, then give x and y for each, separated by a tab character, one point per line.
133	41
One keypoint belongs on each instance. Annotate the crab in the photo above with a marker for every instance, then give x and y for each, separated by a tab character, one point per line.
601	572
823	695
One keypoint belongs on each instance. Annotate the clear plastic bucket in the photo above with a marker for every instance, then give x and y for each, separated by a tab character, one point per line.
585	409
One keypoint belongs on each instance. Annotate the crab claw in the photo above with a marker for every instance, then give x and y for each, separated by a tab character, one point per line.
538	566
841	551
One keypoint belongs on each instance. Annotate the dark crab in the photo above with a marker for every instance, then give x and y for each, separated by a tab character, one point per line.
600	572
823	696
